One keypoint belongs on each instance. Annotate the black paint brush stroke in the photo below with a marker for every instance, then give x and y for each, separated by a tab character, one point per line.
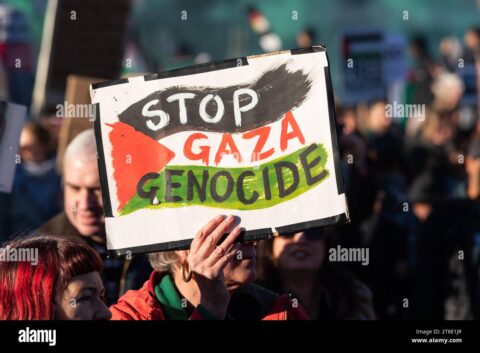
279	91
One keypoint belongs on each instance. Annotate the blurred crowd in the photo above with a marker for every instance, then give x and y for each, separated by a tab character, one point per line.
413	190
413	186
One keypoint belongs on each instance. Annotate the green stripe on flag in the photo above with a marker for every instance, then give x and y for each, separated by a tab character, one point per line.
315	156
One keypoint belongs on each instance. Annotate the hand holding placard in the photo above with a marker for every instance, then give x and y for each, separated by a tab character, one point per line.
206	260
257	140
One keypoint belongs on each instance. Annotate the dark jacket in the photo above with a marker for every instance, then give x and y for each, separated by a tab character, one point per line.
448	265
34	199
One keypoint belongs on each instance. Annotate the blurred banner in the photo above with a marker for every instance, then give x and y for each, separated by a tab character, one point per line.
83	37
375	62
16	56
12	118
76	111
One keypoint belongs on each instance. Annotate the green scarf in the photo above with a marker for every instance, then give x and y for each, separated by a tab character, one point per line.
171	303
168	296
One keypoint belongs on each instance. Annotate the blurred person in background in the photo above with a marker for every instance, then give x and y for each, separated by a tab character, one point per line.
472	44
36	193
83	217
298	263
423	72
434	142
433	152
384	139
354	162
435	149
387	231
62	282
448	267
470	72
306	38
447	90
450	52
359	183
389	234
210	281
385	142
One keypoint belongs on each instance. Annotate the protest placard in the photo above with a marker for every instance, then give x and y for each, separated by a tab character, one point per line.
374	62
363	70
74	43
76	111
254	137
12	118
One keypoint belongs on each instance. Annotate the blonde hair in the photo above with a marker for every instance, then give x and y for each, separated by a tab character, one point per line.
163	261
445	83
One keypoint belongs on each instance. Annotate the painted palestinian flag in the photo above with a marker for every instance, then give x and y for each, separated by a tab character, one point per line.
129	160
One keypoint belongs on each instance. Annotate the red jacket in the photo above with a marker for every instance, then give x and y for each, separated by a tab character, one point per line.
143	304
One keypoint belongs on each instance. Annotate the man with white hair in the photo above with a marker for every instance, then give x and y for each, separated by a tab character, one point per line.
83	217
82	194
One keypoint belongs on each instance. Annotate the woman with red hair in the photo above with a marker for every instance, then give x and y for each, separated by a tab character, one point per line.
60	280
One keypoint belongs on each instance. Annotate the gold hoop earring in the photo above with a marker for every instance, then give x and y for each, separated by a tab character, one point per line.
186	273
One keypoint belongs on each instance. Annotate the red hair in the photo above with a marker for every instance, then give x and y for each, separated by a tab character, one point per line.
29	291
